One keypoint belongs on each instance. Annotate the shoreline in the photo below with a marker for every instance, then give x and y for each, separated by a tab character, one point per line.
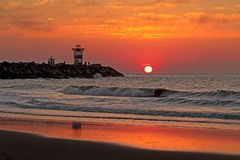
18	145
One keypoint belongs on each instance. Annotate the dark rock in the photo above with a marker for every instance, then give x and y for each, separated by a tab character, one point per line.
34	70
159	92
76	125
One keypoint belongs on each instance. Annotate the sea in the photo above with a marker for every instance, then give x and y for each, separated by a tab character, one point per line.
211	101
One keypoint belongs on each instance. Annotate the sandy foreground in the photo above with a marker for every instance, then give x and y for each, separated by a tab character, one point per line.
43	139
24	146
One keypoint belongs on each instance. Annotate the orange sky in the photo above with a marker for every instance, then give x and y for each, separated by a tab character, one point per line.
175	36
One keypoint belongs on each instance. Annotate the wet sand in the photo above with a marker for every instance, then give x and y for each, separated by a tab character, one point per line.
15	145
153	137
28	138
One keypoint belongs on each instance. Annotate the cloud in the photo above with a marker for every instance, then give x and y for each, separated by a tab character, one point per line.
143	4
87	2
14	5
30	23
136	18
79	4
202	18
219	8
159	18
37	3
10	5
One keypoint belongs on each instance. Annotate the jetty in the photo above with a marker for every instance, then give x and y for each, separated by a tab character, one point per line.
58	71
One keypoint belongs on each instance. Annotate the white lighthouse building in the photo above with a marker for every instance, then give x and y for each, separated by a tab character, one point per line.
51	60
78	54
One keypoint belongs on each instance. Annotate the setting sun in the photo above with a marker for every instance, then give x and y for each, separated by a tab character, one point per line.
148	69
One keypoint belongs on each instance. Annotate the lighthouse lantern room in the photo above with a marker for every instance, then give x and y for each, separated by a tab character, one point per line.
51	60
78	54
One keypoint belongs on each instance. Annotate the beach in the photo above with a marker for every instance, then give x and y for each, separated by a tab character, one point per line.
31	139
15	145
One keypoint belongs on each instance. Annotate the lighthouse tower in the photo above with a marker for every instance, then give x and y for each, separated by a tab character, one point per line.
78	54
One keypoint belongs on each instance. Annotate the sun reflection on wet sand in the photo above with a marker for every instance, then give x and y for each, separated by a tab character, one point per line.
142	136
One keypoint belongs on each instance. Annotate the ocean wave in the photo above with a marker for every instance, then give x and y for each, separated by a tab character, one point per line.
111	91
123	118
35	104
144	92
199	102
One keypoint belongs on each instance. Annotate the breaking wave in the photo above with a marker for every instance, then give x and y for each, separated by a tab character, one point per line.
34	104
145	92
113	91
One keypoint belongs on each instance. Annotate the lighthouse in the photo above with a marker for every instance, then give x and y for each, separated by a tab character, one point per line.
78	54
51	61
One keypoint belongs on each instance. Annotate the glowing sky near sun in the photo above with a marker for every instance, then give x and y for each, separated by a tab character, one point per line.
176	36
